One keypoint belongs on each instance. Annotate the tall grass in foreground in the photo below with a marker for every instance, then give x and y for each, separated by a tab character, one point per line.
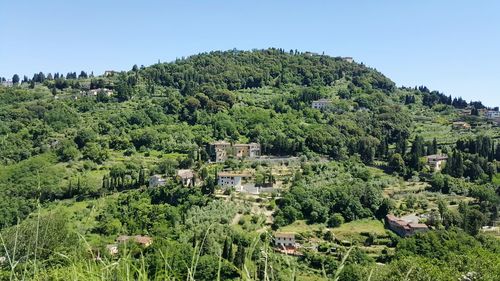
82	266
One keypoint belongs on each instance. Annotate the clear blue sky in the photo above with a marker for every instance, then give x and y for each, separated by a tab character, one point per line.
449	45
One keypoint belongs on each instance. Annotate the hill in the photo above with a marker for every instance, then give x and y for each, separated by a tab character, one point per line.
78	152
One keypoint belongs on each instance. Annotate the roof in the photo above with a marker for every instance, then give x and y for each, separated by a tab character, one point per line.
233	174
437	157
402	223
185	174
285	234
221	142
405	224
418	225
245	144
241	144
323	100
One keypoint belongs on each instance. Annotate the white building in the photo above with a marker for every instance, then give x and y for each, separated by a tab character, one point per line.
492	114
95	92
320	104
284	239
436	161
157	180
7	83
231	179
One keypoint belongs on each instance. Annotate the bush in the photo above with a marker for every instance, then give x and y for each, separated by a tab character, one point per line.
335	220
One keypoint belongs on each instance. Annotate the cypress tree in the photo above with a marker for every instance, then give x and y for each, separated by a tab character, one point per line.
417	151
239	258
497	152
227	251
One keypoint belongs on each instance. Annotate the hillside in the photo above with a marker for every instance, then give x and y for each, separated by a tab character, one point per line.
119	176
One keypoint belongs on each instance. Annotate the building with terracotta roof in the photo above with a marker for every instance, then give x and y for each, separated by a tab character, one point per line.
284	239
284	242
405	228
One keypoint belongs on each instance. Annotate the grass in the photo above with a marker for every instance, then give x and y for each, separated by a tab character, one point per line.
354	229
301	226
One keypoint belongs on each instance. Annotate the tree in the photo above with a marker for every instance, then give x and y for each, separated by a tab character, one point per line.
85	136
15	79
396	163
335	220
433	148
83	75
67	151
239	258
442	208
384	209
227	250
416	152
473	221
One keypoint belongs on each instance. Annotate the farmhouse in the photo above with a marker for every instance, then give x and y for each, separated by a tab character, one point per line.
220	151
284	239
232	179
186	176
404	228
436	161
284	242
157	180
320	104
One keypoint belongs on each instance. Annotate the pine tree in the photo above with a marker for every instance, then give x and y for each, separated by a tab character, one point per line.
15	79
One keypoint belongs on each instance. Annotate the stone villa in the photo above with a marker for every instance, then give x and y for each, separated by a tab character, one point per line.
220	151
186	176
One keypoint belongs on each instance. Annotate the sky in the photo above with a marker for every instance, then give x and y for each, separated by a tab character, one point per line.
452	46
